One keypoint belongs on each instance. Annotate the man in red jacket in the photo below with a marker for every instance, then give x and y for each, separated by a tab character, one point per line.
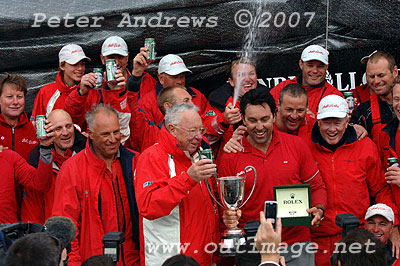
378	111
16	132
313	64
177	214
95	189
350	168
37	207
172	71
72	65
279	159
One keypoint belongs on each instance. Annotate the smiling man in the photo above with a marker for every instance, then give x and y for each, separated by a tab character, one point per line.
379	220
313	63
374	114
279	159
174	205
72	65
95	189
350	168
37	207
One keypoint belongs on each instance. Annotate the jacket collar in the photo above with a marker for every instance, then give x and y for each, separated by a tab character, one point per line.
22	120
61	85
248	148
93	159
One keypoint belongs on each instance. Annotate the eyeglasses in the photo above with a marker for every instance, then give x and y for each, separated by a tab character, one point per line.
193	132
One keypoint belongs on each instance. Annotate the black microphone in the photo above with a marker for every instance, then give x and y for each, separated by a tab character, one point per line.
63	228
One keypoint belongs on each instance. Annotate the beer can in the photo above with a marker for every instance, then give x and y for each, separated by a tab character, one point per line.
99	77
40	122
111	68
151	45
349	97
206	154
392	161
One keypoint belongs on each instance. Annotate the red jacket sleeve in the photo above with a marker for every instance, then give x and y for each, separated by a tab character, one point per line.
38	179
76	106
38	106
158	194
66	203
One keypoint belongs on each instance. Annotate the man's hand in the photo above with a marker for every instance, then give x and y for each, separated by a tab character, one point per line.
51	134
119	81
88	81
395	239
317	213
267	240
231	218
233	145
361	131
392	175
3	148
141	62
202	169
232	115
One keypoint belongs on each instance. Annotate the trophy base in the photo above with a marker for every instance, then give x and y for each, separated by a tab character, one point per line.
230	243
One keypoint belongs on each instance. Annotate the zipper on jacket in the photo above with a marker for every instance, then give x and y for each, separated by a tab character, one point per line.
13	139
123	214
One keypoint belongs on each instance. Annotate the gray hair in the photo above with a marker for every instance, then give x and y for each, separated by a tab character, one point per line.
173	114
98	108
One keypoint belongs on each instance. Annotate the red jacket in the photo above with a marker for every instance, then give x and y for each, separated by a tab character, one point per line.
352	173
21	139
51	97
361	93
15	170
148	104
174	209
288	161
77	195
315	94
77	106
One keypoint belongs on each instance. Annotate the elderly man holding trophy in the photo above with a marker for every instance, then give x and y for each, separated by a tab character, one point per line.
286	173
177	214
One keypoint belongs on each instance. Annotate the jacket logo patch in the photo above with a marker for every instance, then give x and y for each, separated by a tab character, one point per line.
148	183
211	112
285	161
123	104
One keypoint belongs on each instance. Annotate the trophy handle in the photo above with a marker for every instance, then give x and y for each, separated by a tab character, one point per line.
211	194
254	186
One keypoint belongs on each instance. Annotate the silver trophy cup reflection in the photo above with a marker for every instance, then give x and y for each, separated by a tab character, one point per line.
231	193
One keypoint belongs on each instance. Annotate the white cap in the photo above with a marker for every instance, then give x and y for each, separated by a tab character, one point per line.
380	209
114	45
315	52
365	59
332	106
172	65
72	54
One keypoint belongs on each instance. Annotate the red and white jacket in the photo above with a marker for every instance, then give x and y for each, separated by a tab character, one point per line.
21	138
51	97
15	170
177	215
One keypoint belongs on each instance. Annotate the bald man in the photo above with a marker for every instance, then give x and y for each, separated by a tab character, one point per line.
36	207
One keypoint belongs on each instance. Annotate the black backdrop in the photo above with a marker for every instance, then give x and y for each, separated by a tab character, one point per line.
207	34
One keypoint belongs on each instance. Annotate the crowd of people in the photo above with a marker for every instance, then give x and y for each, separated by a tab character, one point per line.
127	156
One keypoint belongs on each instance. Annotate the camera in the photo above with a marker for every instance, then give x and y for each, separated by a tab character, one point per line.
112	242
347	222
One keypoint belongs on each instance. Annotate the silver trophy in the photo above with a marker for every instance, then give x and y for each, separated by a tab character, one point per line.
231	193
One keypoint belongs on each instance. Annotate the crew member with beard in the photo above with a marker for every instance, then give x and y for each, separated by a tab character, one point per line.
72	65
